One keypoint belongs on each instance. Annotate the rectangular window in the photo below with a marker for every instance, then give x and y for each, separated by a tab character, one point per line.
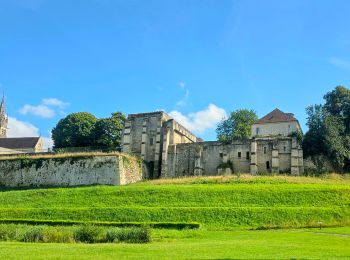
284	148
257	130
151	141
265	150
247	155
267	165
239	155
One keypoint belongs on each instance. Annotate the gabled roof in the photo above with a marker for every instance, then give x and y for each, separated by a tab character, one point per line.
19	142
276	116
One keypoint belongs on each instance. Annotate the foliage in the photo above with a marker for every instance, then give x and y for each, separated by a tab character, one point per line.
87	234
129	235
75	130
33	234
85	130
329	129
108	131
298	135
237	126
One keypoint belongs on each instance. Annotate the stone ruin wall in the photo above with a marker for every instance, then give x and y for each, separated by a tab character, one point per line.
69	171
214	158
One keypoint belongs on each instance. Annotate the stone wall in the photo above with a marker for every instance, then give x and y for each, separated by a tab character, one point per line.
255	156
207	159
69	171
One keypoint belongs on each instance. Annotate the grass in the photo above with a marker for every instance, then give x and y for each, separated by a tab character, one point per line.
74	234
199	244
222	203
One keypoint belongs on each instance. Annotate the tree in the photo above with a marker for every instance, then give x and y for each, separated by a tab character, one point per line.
237	126
75	130
314	141
108	131
329	129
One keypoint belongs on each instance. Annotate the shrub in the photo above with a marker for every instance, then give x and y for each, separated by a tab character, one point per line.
58	235
129	235
34	234
87	234
8	232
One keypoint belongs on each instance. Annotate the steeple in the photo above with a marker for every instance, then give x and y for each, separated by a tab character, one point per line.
2	106
3	119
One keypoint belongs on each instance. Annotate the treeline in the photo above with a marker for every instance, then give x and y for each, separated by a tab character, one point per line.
83	129
329	130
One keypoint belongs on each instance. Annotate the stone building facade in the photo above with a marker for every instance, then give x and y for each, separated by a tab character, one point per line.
149	135
169	150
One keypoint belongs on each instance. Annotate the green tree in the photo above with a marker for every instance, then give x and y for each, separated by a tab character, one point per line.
108	131
75	130
314	141
237	126
329	129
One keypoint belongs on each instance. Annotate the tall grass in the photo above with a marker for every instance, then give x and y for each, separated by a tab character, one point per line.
73	234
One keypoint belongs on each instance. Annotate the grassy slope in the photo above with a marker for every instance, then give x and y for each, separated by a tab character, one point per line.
279	244
218	202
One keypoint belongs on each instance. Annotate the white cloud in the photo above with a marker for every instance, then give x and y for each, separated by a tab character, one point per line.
19	128
55	102
202	120
182	84
183	102
341	63
40	110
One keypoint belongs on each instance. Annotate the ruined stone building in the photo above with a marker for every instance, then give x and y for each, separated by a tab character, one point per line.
169	150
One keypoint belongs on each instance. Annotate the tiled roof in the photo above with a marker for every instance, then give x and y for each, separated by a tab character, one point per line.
276	116
19	143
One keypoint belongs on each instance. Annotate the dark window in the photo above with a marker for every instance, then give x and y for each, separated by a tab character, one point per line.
151	141
265	150
239	155
268	165
284	148
247	155
257	130
221	155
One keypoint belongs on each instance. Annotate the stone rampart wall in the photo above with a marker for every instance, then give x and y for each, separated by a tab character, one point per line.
69	171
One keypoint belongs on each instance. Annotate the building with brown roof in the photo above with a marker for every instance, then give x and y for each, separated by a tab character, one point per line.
275	123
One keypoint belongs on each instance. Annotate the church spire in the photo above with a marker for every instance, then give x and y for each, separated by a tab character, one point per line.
2	106
3	118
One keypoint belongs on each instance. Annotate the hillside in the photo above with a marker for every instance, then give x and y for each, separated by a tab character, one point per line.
214	202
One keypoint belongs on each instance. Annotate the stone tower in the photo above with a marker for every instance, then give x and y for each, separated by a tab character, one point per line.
3	119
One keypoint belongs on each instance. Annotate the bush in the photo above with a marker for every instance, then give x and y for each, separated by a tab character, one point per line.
34	235
129	235
8	232
58	235
87	234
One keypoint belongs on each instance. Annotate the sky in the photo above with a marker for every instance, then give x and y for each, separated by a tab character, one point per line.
198	60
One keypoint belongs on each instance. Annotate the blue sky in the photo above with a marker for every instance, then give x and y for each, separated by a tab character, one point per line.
196	59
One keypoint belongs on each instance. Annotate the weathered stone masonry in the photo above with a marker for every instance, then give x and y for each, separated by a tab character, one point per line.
177	152
69	171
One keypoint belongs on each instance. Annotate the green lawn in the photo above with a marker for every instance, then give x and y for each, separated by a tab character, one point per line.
201	244
225	202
